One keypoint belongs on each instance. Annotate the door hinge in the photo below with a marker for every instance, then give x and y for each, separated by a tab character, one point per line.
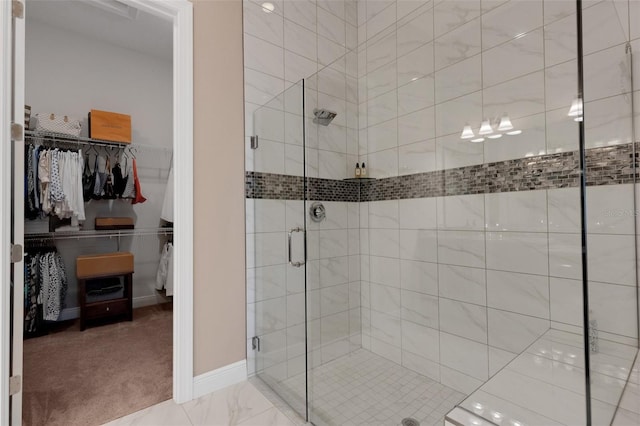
17	9
255	343
15	385
254	142
17	131
16	253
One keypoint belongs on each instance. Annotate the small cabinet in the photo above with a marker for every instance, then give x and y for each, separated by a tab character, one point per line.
96	272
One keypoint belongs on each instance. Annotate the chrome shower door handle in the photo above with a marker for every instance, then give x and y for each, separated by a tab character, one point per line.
291	262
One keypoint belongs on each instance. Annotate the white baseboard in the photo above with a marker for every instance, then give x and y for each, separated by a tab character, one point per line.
138	302
219	378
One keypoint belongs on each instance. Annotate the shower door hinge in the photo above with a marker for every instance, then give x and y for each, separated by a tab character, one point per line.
17	131
254	142
15	385
17	9
16	253
255	343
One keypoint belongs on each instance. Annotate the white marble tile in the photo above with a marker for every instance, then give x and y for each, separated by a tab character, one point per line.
564	210
419	245
386	328
565	255
462	248
382	20
498	359
421	365
520	97
300	40
385	271
459	79
231	405
266	26
634	17
464	355
301	12
338	8
334	271
390	352
566	301
271	315
332	165
625	418
453	152
269	249
562	132
334	327
415	64
331	53
381	50
451	116
267	215
382	108
420	308
611	258
561	82
383	163
555	10
418	213
461	212
166	413
332	82
483	403
524	211
261	88
463	319
614	308
451	15
333	243
510	21
382	80
417	157
609	121
268	282
382	136
461	43
610	209
602	27
421	340
462	283
523	293
417	126
336	215
384	242
263	56
415	95
384	214
385	299
331	26
458	381
405	7
560	40
333	300
295	310
518	252
606	73
514	332
421	277
269	124
415	33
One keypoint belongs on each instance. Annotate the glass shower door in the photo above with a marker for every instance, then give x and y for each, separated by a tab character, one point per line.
276	247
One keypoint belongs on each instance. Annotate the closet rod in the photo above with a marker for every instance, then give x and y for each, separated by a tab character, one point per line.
72	235
33	136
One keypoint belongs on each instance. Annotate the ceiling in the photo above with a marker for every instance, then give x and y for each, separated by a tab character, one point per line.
144	33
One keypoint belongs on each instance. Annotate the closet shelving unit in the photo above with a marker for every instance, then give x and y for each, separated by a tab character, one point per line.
122	305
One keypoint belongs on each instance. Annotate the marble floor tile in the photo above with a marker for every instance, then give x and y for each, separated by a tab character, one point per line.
271	417
229	406
166	413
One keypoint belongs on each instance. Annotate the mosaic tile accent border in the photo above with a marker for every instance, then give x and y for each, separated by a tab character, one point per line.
605	166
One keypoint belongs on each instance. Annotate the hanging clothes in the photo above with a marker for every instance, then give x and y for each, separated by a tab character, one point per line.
164	276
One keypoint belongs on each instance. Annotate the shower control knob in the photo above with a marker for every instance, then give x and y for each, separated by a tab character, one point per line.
317	212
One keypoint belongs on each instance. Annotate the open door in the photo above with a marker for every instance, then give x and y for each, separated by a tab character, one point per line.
15	185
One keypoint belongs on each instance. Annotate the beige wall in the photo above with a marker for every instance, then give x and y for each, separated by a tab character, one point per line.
219	256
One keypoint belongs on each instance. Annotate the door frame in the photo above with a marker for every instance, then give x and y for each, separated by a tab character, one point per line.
180	14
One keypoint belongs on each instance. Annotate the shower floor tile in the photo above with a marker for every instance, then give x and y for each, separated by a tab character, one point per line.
363	388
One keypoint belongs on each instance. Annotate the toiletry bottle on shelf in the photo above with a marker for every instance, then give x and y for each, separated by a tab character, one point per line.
363	171
357	170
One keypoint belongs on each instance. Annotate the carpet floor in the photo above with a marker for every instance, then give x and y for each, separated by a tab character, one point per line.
90	377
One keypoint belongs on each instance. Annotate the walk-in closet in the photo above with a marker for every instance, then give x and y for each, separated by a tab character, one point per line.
98	212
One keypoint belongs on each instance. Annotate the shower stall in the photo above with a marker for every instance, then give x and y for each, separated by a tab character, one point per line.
484	270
